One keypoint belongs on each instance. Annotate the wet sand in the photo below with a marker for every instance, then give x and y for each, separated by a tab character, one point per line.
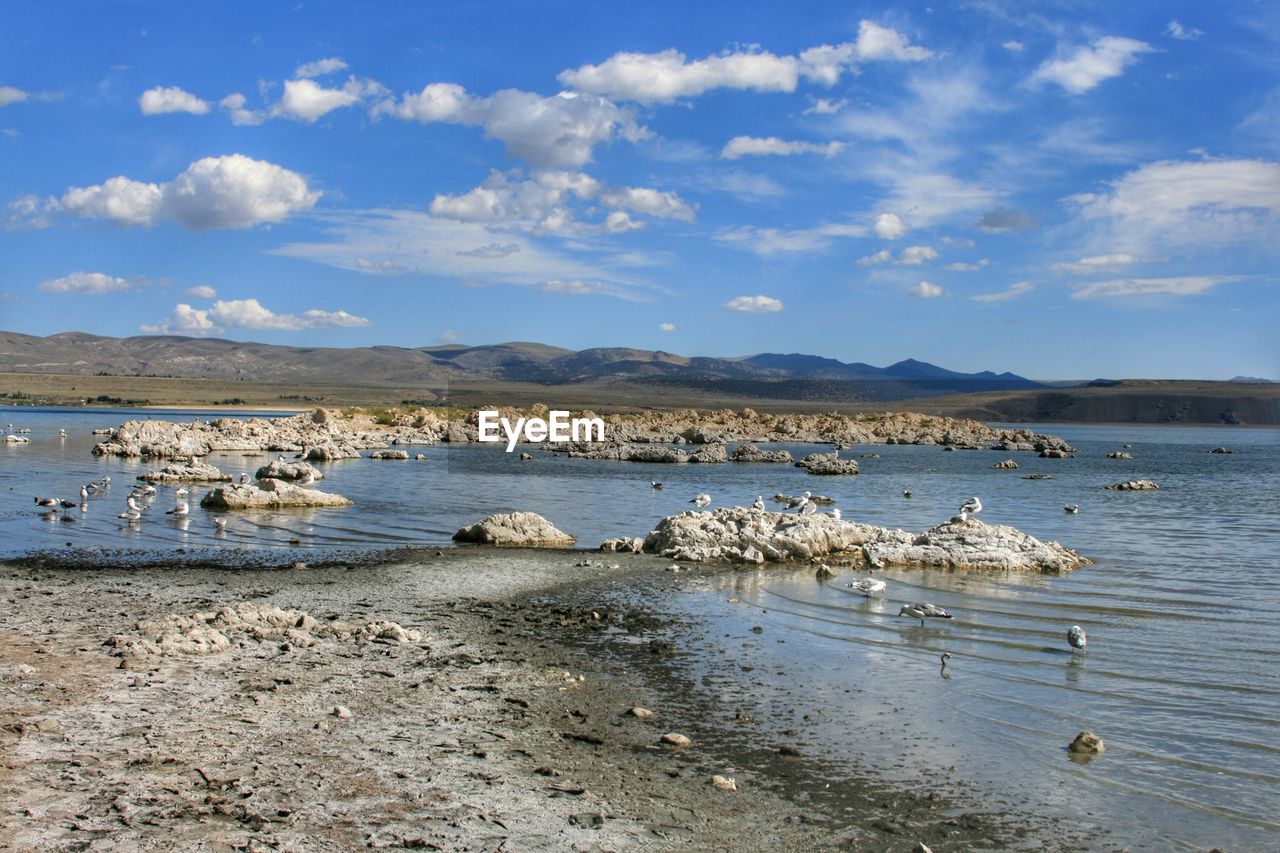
502	727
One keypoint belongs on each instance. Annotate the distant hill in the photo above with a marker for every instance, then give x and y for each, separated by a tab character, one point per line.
766	375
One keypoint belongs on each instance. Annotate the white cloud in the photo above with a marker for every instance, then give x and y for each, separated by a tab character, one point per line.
1182	33
491	250
383	267
881	257
916	255
572	288
306	100
171	99
1171	205
958	242
667	327
201	291
234	105
742	185
248	314
233	191
824	106
929	198
889	226
663	77
657	203
751	146
960	266
926	290
183	320
448	336
556	132
1107	57
10	95
775	241
1097	263
1189	285
753	305
320	67
85	282
1014	46
30	211
1013	291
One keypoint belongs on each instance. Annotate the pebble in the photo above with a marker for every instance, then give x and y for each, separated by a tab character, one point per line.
642	713
342	712
724	783
676	739
1087	743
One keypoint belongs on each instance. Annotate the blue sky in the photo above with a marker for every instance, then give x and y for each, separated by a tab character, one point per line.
1066	190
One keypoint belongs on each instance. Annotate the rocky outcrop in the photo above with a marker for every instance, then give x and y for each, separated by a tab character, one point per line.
191	471
1221	450
515	530
737	534
1133	486
1006	465
1119	454
331	452
389	454
210	632
280	470
712	454
828	464
269	494
623	545
1054	453
751	453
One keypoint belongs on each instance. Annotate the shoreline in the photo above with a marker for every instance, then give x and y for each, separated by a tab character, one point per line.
491	736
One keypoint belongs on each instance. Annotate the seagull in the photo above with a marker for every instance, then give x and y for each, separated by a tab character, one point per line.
655	485
809	508
759	502
1073	509
66	504
973	506
923	611
244	478
906	494
220	523
836	514
84	492
307	479
868	586
132	503
49	502
798	503
181	510
131	515
1076	637
701	499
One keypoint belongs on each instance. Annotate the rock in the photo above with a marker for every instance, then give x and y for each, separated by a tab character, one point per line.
1119	454
420	457
331	452
1036	477
1007	464
1087	743
751	453
828	464
526	457
191	471
1054	453
642	713
342	712
515	530
921	847
825	572
278	470
623	545
724	783
1133	486
1221	450
737	534
389	454
269	494
711	454
676	739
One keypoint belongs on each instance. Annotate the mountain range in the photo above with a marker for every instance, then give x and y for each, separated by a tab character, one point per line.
768	375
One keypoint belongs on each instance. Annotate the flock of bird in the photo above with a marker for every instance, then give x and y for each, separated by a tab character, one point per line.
137	504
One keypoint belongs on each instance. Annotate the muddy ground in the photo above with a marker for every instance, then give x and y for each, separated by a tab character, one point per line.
503	727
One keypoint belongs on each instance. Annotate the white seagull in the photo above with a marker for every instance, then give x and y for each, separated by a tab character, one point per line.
868	586
701	499
973	506
809	508
798	503
49	502
1076	637
131	515
1072	509
220	522
655	485
758	503
923	611
837	514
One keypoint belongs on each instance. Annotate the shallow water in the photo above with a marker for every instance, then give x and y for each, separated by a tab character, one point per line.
1181	606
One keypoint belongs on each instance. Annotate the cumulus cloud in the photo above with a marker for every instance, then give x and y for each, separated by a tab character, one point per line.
171	99
303	99
1014	46
889	226
554	132
201	291
10	95
1178	31
86	282
824	106
776	241
1004	219
491	250
30	212
926	290
234	105
960	266
759	304
667	327
916	255
1171	205
320	67
1097	263
662	77
928	198
1106	57
546	203
247	314
1175	286
751	146
881	257
233	191
1013	291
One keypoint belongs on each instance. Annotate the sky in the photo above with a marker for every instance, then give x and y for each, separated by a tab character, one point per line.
1060	189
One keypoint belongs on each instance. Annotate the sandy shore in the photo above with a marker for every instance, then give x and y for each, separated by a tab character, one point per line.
499	728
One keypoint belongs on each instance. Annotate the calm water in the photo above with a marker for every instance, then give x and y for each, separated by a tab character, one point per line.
1181	607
